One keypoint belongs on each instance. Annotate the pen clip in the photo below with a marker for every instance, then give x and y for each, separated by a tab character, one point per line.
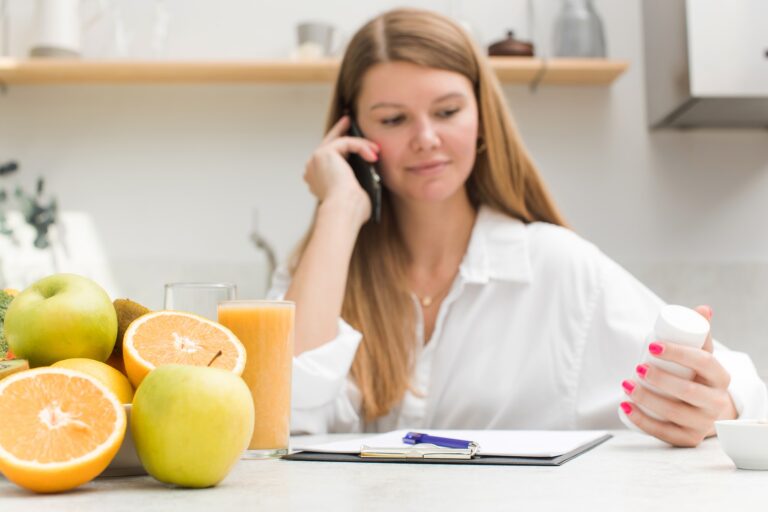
446	442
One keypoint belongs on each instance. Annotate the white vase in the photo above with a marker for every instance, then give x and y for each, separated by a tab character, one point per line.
59	28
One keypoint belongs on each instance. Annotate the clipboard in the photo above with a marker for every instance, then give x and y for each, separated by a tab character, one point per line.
566	445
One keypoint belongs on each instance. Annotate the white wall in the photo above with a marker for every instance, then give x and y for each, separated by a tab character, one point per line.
171	174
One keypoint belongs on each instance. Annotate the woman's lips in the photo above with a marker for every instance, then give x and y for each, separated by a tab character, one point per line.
429	167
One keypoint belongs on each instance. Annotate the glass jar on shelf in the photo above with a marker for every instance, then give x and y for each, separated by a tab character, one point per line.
579	31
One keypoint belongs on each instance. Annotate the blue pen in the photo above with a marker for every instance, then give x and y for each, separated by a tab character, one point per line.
446	442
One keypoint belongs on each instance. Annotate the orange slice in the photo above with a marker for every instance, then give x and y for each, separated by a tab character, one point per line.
58	428
174	337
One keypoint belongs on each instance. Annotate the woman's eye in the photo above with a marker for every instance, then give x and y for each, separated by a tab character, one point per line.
447	112
391	121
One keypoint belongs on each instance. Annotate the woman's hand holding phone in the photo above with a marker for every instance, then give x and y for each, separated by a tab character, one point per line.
344	208
331	179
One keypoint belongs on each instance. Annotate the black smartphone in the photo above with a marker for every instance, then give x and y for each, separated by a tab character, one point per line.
366	174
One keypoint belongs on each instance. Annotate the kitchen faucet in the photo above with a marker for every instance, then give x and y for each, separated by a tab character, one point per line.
263	245
6	168
37	215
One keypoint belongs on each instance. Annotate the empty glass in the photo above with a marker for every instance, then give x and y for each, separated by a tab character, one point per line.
199	298
579	31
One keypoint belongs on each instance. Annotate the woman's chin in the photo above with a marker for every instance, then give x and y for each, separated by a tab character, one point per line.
434	194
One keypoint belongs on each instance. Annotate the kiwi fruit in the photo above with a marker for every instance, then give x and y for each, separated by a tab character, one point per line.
127	311
12	366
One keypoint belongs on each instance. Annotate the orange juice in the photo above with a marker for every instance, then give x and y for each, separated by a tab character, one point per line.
266	330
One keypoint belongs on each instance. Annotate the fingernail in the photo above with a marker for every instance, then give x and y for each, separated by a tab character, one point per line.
626	407
375	157
641	370
628	386
709	312
655	348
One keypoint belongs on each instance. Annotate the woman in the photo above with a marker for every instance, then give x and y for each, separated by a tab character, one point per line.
469	305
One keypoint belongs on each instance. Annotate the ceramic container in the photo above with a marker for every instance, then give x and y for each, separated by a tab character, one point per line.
745	442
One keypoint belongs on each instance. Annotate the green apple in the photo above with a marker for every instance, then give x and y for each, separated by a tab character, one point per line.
190	424
60	317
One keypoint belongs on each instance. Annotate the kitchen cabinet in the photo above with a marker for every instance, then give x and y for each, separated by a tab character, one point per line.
706	63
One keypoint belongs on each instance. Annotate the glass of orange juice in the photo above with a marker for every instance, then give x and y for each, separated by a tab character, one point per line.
266	330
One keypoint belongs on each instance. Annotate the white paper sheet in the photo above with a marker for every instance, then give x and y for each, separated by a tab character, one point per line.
504	443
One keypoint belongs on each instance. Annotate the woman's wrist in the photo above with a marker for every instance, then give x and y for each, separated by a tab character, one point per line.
351	210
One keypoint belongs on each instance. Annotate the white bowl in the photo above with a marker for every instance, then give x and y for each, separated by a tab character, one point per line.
126	461
745	442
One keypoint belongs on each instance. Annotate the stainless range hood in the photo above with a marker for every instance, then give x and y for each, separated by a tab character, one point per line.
706	63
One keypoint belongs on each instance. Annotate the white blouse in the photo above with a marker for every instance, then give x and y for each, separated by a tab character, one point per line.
537	332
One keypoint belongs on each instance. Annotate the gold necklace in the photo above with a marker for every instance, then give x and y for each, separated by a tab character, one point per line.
428	300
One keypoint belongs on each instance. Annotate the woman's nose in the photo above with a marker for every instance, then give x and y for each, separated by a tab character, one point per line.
425	137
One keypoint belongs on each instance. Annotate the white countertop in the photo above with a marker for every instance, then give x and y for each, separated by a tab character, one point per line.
629	472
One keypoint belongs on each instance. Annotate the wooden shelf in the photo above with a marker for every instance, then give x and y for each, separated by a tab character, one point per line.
508	69
558	71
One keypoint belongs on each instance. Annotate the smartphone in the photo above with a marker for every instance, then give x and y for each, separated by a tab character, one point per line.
366	174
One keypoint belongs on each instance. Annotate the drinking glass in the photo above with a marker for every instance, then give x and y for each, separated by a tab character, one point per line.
199	298
266	330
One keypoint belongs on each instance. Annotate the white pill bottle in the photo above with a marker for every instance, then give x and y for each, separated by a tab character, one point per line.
675	324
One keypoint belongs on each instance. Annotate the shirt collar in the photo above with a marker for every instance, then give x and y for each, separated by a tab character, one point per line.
498	249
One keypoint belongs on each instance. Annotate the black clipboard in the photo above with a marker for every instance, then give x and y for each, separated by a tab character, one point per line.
477	459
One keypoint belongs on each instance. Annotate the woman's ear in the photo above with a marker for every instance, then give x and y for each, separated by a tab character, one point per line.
480	144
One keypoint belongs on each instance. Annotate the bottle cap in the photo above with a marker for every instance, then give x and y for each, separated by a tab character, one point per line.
678	324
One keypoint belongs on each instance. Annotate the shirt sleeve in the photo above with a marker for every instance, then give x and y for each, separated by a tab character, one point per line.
747	390
616	338
324	398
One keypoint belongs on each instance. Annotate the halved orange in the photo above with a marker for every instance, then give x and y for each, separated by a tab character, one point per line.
115	381
175	337
58	428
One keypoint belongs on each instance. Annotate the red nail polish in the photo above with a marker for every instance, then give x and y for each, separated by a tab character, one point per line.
655	348
626	407
628	386
641	370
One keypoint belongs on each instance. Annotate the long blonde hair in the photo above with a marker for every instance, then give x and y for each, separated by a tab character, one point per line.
377	301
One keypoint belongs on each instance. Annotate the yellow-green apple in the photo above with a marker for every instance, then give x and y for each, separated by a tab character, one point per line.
60	317
190	424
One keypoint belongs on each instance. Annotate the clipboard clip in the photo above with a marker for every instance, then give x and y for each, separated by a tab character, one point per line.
419	451
424	446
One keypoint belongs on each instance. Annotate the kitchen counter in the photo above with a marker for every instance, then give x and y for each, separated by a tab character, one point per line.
629	472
